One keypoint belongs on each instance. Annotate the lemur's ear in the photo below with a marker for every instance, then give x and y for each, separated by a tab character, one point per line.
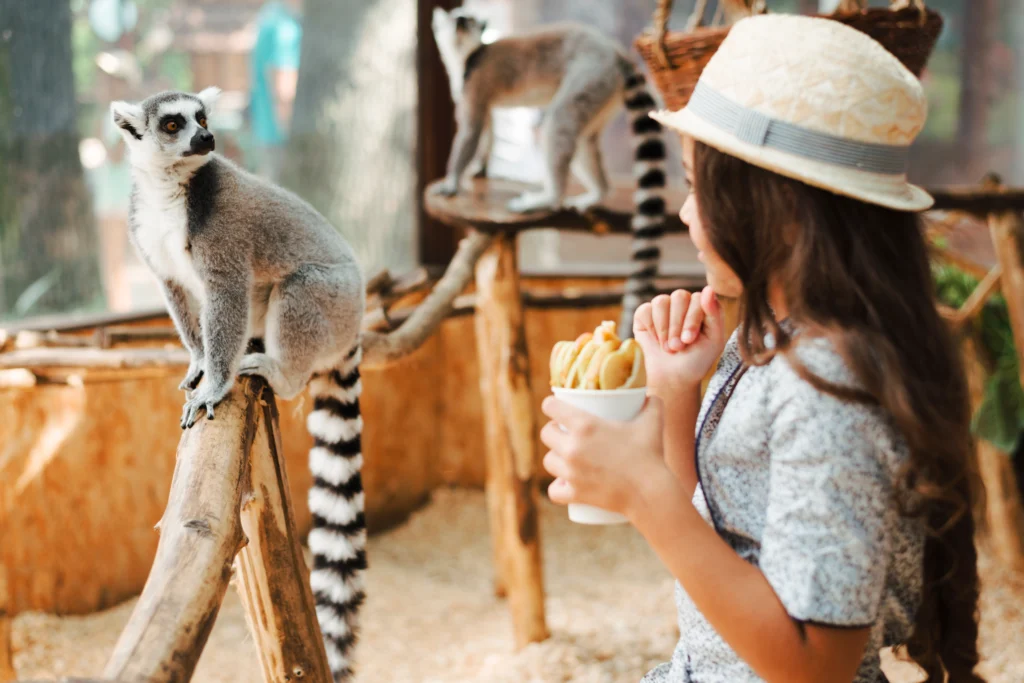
209	97
440	18
129	118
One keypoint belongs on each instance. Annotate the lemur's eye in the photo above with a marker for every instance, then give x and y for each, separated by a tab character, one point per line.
202	121
171	126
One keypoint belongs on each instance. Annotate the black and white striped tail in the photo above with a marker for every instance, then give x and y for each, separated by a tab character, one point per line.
338	537
649	198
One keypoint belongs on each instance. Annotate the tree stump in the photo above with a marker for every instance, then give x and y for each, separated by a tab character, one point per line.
228	478
511	483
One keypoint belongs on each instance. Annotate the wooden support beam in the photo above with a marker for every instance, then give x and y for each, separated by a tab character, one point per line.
200	534
271	574
977	298
510	430
229	496
999	510
6	652
1008	238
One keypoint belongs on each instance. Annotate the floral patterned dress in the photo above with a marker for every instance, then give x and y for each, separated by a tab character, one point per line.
802	485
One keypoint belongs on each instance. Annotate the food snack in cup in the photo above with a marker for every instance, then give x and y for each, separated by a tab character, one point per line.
603	375
598	360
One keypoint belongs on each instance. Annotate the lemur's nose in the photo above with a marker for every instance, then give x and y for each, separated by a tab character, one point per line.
202	142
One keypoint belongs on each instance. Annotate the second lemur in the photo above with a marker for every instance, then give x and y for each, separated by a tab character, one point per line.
238	260
581	79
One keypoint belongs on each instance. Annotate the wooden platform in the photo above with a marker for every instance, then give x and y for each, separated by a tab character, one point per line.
481	205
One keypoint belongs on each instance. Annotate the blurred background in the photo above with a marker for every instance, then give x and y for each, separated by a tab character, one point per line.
346	103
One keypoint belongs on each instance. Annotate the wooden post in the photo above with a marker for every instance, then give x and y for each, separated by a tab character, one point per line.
272	578
228	477
1007	231
510	426
6	653
999	508
199	536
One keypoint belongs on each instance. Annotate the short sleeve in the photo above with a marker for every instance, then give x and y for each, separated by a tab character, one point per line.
824	546
287	45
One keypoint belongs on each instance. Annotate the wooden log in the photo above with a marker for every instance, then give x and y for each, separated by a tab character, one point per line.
94	358
200	534
978	200
271	574
511	430
1008	238
6	651
382	348
1001	513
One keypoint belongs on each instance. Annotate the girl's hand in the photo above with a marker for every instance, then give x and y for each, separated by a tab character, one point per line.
606	463
681	335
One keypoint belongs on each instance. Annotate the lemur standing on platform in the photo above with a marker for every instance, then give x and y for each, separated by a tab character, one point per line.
240	260
582	78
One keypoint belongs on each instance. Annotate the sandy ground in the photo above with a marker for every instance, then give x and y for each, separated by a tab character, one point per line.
431	615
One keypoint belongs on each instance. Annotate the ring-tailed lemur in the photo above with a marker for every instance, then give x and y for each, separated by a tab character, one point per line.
240	259
582	78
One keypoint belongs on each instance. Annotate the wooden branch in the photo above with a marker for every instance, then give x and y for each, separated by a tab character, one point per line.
978	297
978	200
272	578
1002	510
382	348
200	534
94	358
1008	238
6	651
510	430
378	282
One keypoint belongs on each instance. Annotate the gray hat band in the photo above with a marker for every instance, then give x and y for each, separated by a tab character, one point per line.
761	130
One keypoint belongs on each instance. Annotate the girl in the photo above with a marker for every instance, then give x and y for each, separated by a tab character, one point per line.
816	509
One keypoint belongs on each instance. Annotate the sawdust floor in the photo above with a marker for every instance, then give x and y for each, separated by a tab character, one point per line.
431	615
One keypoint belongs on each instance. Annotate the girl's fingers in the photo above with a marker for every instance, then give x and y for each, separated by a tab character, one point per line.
555	465
552	436
561	492
660	306
694	319
714	318
680	301
642	320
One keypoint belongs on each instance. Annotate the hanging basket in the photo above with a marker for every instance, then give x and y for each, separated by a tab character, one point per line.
676	59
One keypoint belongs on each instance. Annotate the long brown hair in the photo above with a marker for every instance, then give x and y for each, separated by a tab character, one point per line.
860	274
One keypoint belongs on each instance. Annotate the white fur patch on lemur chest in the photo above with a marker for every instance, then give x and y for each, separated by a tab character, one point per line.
161	233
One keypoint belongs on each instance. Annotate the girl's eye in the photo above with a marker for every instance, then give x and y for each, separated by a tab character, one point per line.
170	126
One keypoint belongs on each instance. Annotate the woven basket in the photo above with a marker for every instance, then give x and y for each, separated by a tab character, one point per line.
676	59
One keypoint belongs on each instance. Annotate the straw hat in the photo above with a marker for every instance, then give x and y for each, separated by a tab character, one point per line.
811	99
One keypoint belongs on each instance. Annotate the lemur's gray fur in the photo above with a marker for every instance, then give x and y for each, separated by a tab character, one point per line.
243	263
582	79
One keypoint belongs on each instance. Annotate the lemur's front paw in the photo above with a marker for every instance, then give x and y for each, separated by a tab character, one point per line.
192	377
448	188
205	398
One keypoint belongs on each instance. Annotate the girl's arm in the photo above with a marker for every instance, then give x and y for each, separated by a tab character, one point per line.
736	598
683	407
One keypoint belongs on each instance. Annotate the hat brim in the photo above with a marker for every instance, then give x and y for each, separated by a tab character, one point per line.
893	192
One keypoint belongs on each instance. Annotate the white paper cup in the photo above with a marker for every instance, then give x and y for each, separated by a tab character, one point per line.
616	404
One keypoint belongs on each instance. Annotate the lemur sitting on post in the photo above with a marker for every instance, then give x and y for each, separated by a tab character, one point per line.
582	79
240	259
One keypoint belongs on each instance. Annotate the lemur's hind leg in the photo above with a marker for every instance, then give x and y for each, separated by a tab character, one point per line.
588	167
587	91
309	311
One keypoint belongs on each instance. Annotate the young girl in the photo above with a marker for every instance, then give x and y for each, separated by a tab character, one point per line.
816	509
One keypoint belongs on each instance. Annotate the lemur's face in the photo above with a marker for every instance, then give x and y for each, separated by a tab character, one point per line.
169	129
459	29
